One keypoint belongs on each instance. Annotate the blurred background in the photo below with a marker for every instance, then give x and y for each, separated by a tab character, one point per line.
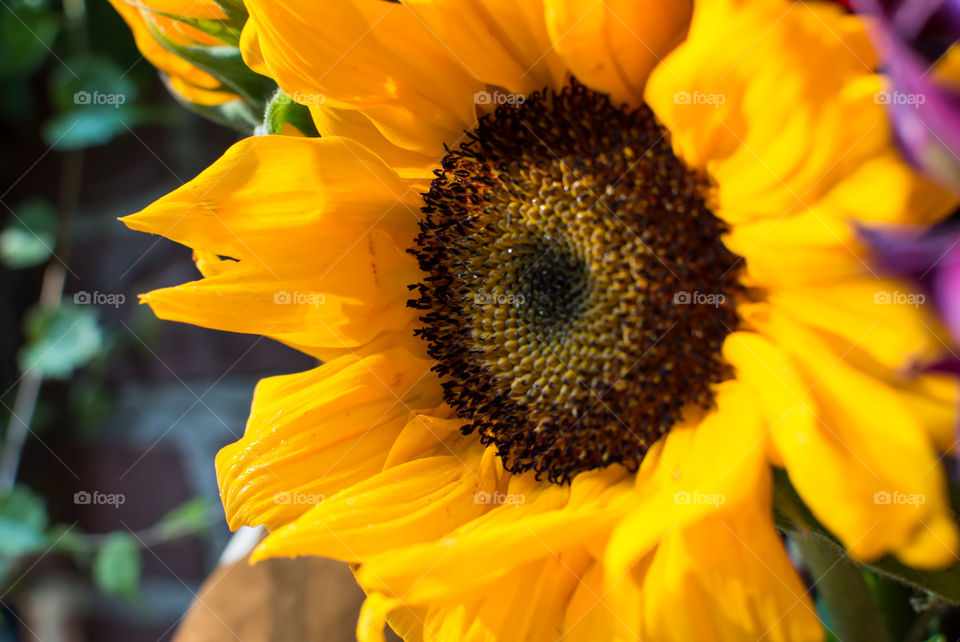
109	515
111	528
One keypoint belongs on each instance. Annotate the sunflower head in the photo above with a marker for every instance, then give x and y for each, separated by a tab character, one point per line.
607	308
568	256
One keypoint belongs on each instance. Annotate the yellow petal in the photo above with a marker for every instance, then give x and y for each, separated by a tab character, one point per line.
250	49
352	123
202	9
527	604
428	433
847	442
374	56
416	501
319	229
500	42
531	520
879	316
191	83
784	115
373	617
732	570
721	469
302	311
935	545
934	400
313	434
603	609
612	46
779	252
300	186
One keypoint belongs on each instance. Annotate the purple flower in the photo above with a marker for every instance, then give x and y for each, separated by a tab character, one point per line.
914	38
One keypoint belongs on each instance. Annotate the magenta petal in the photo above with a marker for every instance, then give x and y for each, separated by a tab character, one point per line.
946	291
925	114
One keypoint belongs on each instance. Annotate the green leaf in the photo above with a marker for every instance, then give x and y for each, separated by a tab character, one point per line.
27	34
89	404
117	565
17	538
67	539
18	108
843	597
59	340
283	110
94	98
24	505
23	520
30	236
189	518
893	599
88	127
90	80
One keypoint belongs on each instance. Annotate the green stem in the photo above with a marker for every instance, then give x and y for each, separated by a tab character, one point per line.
16	434
853	614
51	292
54	276
89	543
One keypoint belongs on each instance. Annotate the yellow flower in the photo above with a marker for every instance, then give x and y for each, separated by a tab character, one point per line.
632	293
149	18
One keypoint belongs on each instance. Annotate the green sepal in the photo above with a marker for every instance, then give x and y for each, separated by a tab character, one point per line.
235	10
235	114
281	110
226	32
224	63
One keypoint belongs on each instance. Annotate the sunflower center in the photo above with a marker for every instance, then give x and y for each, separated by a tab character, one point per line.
576	291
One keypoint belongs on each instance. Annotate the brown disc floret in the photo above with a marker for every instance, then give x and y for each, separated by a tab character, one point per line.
576	290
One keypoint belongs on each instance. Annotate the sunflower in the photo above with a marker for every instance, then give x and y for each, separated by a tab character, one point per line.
151	21
581	276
